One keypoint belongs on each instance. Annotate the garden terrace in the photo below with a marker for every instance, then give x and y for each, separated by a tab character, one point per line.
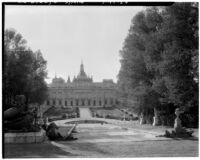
111	113
58	113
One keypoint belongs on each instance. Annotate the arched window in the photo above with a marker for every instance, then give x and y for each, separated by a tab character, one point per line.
100	102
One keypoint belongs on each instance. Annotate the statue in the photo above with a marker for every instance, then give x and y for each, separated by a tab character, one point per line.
17	118
177	122
52	132
179	131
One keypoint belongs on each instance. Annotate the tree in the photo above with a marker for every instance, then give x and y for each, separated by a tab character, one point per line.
24	70
137	71
178	66
159	65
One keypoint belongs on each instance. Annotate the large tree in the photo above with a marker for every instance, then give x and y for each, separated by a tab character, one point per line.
137	71
24	70
159	65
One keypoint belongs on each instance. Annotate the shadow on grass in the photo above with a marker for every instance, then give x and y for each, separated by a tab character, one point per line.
188	138
42	150
181	138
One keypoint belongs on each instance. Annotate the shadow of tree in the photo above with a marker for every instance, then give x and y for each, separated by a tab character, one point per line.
43	150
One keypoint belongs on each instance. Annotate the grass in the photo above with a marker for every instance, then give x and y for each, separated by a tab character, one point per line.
110	112
55	111
147	148
43	150
58	113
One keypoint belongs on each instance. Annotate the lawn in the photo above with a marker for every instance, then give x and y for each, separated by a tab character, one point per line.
58	113
112	113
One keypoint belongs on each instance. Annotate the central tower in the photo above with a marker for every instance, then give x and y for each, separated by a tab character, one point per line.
82	72
82	76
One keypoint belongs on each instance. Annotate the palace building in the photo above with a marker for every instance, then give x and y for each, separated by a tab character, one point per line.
82	92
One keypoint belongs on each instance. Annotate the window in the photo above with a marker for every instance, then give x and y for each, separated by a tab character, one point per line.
88	102
54	102
77	102
105	101
60	102
94	103
100	103
83	103
71	103
65	103
111	101
116	101
47	102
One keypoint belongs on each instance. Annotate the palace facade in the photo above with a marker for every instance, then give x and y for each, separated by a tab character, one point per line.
82	92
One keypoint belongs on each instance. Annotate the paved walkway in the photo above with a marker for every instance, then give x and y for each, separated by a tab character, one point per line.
85	113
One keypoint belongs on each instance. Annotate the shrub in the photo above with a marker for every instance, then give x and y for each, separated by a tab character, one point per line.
135	118
189	120
64	116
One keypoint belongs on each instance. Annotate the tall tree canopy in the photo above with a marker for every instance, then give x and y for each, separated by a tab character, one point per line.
24	70
159	59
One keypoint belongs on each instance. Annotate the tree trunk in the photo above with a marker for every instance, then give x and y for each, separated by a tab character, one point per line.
155	118
142	121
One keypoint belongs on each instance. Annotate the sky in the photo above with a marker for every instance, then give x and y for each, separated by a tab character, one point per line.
67	35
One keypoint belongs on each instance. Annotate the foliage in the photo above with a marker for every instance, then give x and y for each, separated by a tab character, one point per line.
159	59
24	70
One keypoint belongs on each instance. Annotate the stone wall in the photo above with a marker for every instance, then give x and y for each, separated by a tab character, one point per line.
30	137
